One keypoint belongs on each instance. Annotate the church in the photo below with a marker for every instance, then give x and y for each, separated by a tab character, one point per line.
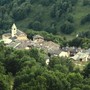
15	34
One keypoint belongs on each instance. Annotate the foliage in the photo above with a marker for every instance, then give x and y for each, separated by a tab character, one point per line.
86	71
67	28
26	70
85	34
44	15
35	25
21	12
80	42
85	19
37	15
86	2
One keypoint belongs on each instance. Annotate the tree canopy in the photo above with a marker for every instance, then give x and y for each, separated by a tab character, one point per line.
27	70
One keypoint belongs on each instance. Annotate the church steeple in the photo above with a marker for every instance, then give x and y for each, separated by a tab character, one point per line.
14	30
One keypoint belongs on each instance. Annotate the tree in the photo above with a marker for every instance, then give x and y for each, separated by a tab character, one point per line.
12	65
86	2
21	1
75	88
86	71
85	19
2	2
2	86
21	13
67	28
45	2
70	19
2	69
62	64
36	25
35	53
74	2
33	1
75	79
76	42
5	82
56	80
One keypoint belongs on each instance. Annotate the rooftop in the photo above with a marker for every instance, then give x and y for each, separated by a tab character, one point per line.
38	37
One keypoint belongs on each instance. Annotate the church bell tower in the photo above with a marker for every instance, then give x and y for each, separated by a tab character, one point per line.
13	30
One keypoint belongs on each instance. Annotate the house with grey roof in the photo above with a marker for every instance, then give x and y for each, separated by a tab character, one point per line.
81	56
38	38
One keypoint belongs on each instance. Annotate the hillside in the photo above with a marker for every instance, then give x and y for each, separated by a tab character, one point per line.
62	17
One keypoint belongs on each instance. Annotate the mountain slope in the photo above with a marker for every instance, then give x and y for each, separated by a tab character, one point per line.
54	16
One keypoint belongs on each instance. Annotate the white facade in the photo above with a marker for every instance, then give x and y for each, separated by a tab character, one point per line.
14	30
7	41
64	54
47	62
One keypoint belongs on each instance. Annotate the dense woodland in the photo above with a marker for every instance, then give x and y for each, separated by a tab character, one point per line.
27	70
55	20
53	16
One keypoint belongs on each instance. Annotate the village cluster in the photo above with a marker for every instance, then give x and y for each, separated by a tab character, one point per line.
18	40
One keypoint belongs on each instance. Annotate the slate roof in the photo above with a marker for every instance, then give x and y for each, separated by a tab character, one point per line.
23	44
38	37
80	55
71	49
7	34
88	51
20	33
13	44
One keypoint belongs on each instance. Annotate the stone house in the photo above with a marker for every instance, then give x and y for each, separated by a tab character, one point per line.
64	54
38	38
81	56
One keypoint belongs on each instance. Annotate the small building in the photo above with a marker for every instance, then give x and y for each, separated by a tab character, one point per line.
81	56
6	36
6	41
21	35
38	38
52	52
64	54
24	45
73	50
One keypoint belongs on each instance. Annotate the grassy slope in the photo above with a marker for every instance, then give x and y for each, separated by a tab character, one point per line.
79	12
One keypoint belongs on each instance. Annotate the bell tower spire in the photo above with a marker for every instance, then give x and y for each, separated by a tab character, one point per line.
13	30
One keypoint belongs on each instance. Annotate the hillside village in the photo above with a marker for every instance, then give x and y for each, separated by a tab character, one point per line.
44	44
18	40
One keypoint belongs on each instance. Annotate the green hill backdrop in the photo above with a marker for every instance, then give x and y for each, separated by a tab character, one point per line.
63	17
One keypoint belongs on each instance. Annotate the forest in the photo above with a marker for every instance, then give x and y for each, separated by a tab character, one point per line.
27	70
53	16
